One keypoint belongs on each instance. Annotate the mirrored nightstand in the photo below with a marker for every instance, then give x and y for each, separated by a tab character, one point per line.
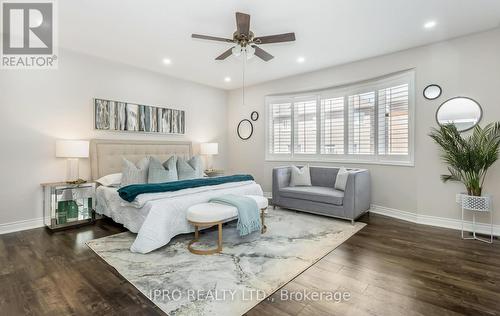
67	205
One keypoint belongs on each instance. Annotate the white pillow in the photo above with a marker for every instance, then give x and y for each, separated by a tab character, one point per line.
300	176
341	180
135	174
110	180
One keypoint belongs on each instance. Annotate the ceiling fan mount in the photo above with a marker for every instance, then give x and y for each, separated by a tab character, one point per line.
244	37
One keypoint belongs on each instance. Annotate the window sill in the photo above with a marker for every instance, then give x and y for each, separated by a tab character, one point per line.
346	161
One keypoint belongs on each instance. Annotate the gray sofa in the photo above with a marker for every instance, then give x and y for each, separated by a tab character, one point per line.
321	197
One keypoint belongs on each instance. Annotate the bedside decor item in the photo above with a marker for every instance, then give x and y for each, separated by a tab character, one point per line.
476	204
214	173
72	150
463	112
125	116
254	116
245	129
66	205
208	150
432	92
468	158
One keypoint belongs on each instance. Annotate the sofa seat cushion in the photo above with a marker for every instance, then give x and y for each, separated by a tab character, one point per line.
314	193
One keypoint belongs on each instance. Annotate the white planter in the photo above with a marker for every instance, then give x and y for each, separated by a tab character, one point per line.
475	204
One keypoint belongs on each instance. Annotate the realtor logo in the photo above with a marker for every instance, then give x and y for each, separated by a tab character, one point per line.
28	35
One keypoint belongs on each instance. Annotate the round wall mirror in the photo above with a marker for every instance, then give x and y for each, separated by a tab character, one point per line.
254	116
463	112
432	92
245	129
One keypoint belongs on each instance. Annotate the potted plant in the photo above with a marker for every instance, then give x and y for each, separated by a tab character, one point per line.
470	157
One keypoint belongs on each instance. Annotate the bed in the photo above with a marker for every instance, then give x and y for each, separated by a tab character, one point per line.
155	217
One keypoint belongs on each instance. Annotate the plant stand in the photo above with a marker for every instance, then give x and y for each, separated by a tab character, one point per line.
476	204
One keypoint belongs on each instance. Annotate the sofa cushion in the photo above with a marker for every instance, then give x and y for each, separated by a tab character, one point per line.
315	194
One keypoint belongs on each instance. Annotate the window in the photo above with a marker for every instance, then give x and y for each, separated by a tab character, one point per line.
370	122
280	140
305	127
332	125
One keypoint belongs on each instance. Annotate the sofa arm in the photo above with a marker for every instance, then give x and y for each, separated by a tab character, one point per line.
357	195
281	179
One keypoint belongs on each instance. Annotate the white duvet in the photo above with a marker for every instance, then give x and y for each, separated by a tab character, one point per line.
158	217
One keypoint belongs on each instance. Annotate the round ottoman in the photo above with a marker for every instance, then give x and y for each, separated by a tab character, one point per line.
206	215
262	203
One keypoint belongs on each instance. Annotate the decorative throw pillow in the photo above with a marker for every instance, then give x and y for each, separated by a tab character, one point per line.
110	180
190	169
341	180
159	173
300	176
132	174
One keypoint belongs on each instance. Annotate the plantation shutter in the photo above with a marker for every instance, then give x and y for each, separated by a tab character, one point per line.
332	126
280	134
393	125
361	123
305	127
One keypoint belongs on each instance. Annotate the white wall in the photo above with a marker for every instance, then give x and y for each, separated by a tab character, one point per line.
467	66
37	107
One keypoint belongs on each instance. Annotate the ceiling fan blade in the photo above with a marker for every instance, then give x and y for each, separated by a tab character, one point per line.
243	23
212	38
262	54
225	54
278	38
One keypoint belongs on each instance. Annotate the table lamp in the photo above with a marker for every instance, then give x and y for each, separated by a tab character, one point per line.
72	150
209	149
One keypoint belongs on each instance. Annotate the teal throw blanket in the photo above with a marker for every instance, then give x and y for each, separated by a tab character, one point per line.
130	192
248	212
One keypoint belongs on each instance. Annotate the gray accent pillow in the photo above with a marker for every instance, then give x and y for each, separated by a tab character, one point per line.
190	169
300	177
134	174
341	180
160	173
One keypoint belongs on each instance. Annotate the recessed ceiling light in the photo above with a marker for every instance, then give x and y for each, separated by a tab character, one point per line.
301	59
167	61
227	79
430	24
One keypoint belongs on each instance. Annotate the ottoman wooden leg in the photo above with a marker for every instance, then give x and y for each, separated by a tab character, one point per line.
196	238
262	216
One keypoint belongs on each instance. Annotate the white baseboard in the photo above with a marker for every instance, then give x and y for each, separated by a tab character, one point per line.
434	220
21	225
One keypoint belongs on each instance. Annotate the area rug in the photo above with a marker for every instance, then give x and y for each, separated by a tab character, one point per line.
230	283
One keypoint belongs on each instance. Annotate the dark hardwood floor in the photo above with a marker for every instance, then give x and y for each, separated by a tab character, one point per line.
390	267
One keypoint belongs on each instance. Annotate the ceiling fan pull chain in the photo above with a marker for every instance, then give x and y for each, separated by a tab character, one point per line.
244	67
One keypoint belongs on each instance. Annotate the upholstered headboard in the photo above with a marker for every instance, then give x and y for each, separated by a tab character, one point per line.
106	154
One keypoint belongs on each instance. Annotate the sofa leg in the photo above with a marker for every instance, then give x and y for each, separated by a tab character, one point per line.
274	207
352	222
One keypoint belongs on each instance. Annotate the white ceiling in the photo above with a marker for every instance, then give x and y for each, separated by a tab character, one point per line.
329	32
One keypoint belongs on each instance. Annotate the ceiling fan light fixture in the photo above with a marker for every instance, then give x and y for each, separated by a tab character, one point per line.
237	50
250	51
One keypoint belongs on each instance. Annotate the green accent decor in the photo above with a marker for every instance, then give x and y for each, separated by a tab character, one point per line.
62	211
468	158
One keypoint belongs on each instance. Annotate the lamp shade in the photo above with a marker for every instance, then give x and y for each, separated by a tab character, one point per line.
72	149
209	148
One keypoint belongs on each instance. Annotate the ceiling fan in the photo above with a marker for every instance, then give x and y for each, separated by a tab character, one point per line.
245	40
